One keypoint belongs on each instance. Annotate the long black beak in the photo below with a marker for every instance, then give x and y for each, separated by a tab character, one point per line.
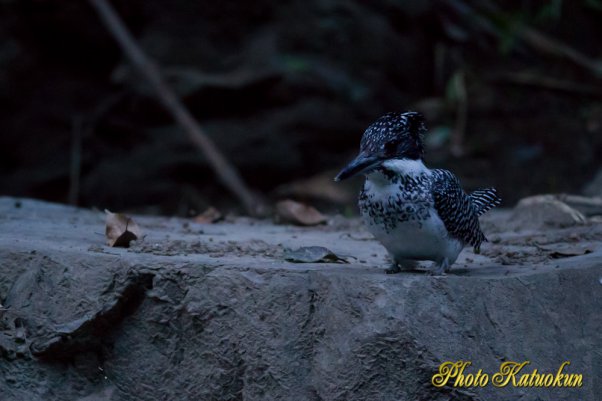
361	164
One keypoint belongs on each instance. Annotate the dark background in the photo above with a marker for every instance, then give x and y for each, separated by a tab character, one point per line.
286	88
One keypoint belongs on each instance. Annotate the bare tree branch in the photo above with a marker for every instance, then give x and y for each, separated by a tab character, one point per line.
549	45
535	39
226	172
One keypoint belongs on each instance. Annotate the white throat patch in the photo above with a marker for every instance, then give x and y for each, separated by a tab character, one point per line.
406	166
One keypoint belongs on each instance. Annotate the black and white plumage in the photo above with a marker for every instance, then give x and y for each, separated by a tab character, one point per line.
415	212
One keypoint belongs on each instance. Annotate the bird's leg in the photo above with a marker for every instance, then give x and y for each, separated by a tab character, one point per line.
401	265
440	267
394	268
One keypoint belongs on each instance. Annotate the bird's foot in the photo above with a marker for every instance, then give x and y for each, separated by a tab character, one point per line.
440	268
405	265
436	273
393	269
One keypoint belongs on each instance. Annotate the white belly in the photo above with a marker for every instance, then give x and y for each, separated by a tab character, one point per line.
417	240
403	216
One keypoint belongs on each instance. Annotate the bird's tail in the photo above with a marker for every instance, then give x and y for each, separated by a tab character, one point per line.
485	199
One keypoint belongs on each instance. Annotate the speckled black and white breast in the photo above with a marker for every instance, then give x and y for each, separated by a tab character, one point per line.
398	207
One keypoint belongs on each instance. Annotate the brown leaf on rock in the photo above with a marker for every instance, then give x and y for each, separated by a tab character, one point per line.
313	254
289	211
558	251
210	215
120	230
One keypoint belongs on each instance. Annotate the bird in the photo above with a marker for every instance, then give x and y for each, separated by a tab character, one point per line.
416	213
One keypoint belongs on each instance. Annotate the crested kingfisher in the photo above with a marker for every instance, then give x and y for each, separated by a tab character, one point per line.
417	213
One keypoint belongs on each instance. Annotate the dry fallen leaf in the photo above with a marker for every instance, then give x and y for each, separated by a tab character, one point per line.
120	230
313	254
565	250
289	211
211	215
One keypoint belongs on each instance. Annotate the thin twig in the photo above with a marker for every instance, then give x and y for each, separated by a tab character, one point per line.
549	83
75	165
457	139
221	166
82	128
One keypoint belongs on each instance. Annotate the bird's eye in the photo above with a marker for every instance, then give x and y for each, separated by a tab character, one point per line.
390	147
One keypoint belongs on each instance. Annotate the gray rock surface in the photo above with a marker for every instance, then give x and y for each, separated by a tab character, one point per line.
544	211
213	312
594	187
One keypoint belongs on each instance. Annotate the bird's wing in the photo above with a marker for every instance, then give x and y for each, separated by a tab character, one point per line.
456	209
485	199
